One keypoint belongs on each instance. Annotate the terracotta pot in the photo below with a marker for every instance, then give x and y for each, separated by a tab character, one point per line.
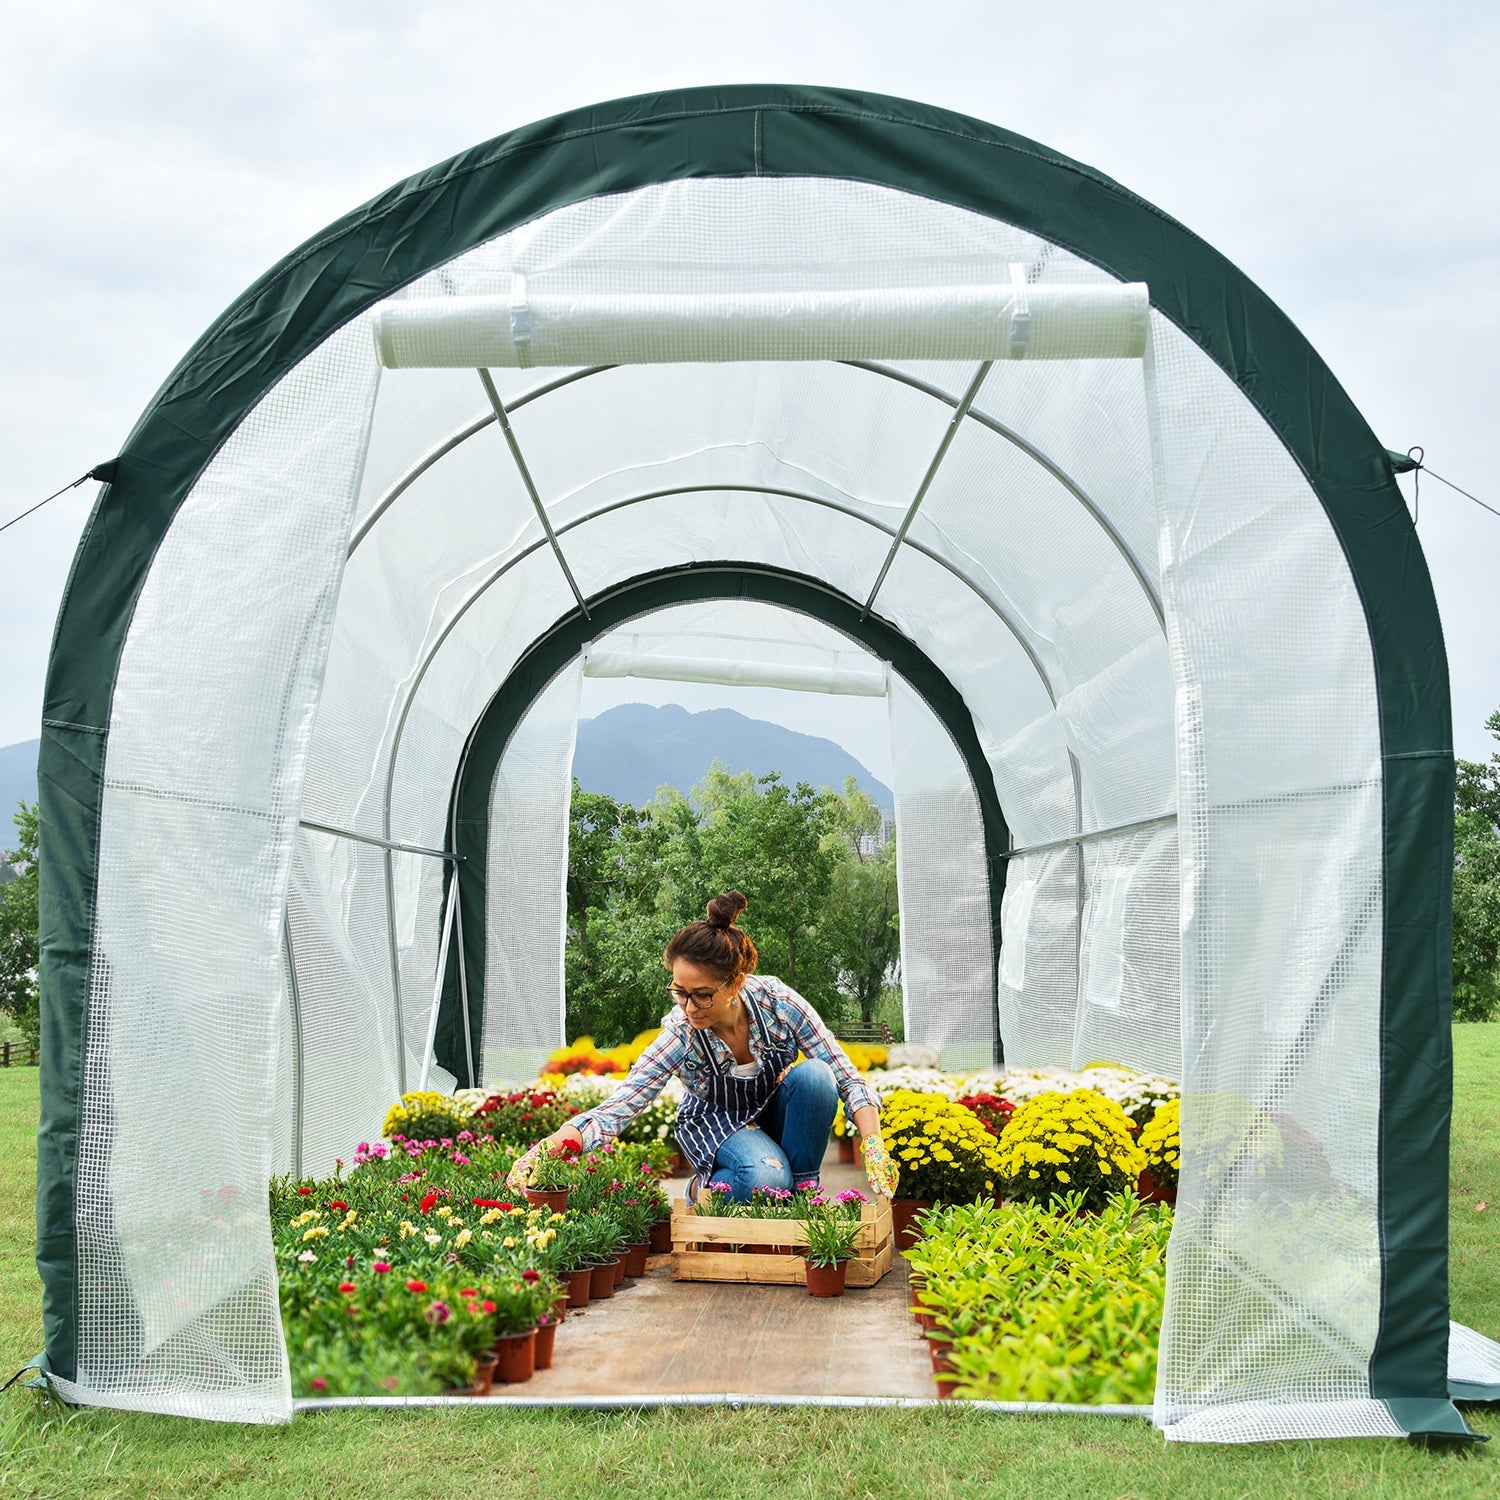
559	1312
556	1201
602	1281
940	1352
827	1281
484	1376
903	1211
926	1322
1147	1187
846	1150
578	1286
945	1385
515	1357
619	1272
661	1237
546	1334
635	1258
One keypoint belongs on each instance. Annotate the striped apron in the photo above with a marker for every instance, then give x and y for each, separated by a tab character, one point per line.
703	1125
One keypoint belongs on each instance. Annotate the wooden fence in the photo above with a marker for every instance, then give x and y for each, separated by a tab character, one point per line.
17	1053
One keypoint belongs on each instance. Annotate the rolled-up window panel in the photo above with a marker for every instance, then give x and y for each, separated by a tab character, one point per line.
848	679
1012	321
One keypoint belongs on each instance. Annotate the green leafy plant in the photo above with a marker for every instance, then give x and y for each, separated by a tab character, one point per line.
830	1235
1047	1304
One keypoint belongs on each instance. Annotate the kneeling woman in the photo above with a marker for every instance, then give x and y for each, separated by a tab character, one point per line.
751	1114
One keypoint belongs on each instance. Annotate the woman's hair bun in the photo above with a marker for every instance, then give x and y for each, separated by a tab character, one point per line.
722	910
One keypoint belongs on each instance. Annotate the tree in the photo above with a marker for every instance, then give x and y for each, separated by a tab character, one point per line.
861	920
769	840
1476	887
19	941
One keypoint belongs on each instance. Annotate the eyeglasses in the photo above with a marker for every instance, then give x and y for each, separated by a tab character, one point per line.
698	999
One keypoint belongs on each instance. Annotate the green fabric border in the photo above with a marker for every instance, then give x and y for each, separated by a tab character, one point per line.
1431	1417
546	657
746	130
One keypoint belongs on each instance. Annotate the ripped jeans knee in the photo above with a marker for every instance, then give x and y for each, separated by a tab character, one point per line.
750	1159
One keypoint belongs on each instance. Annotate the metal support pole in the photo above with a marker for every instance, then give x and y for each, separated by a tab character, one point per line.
954	423
437	983
294	996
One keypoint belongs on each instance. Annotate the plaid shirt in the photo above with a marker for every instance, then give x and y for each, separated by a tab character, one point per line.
791	1022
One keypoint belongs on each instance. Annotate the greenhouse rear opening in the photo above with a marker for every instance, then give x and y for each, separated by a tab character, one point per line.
767	382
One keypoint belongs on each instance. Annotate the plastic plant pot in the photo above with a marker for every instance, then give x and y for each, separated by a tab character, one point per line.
635	1258
546	1336
556	1202
846	1150
484	1376
602	1281
515	1356
827	1281
578	1286
619	1272
661	1237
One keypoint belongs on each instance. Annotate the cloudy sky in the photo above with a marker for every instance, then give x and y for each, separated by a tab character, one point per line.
159	155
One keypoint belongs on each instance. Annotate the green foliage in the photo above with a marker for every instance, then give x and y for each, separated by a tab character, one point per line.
1022	1332
822	908
1476	887
19	942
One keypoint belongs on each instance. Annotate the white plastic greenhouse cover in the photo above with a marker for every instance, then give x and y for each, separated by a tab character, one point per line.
1115	563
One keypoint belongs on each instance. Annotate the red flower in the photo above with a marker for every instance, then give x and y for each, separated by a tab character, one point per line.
416	1286
381	1267
319	1384
427	1202
348	1260
487	1305
530	1276
347	1286
468	1291
307	1193
338	1206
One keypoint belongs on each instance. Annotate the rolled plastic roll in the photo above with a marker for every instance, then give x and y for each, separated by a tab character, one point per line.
861	679
1011	321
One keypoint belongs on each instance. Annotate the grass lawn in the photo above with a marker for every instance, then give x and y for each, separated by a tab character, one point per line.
710	1453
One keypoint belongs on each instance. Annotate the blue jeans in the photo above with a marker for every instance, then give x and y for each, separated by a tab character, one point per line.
785	1146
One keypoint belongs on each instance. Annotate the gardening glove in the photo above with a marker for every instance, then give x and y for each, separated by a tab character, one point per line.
519	1177
879	1168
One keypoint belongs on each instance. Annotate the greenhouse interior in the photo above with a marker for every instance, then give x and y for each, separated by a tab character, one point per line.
770	386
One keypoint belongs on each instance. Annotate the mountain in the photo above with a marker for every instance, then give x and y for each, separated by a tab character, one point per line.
630	751
17	781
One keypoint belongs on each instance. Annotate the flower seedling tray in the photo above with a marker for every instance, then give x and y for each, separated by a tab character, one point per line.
699	1250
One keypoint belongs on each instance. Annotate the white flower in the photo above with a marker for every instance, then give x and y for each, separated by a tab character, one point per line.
433	1237
307	1257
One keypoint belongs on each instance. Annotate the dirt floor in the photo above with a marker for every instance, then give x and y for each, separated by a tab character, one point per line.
658	1337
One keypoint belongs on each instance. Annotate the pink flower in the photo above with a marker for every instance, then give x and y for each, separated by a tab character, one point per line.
439	1312
810	1186
381	1267
851	1195
319	1384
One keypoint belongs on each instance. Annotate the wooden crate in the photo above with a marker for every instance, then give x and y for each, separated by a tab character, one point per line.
697	1253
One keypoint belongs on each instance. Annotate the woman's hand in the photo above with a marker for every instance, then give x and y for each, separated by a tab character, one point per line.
879	1168
519	1177
883	1173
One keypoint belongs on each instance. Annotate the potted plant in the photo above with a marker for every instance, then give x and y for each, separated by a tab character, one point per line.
1162	1148
519	1304
661	1224
944	1153
552	1177
1057	1144
830	1246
